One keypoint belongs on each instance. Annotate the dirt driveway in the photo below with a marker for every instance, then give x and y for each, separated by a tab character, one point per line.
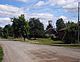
24	52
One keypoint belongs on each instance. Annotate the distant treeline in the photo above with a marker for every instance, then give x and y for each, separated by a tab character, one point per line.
33	28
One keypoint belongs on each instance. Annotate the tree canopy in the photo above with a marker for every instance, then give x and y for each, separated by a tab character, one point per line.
60	24
20	26
36	27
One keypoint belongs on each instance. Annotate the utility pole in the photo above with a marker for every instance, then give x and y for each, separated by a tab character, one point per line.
78	22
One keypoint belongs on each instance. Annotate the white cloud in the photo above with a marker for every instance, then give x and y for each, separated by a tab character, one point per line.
44	17
9	10
57	2
71	7
62	2
64	18
68	5
4	21
40	3
41	15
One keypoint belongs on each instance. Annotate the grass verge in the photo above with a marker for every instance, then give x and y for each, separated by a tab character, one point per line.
44	41
1	54
68	45
48	41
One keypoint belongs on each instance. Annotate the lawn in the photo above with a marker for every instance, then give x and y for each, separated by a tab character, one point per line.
1	54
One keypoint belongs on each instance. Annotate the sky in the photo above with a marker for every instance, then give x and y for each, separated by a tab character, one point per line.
44	9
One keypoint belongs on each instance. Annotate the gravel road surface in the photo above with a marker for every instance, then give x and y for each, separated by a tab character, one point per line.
15	51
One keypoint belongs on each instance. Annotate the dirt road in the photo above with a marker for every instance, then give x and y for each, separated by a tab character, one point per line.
24	52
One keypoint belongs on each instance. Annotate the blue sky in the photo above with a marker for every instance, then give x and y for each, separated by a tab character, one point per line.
43	9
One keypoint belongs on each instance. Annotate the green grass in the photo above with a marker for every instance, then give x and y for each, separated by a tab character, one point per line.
1	54
48	41
18	39
44	41
68	45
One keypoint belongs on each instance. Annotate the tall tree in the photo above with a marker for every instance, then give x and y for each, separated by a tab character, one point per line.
20	26
23	26
36	27
15	27
60	24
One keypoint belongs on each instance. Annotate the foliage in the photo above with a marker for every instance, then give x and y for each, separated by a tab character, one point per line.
71	33
7	31
68	32
36	28
20	27
60	24
1	29
1	54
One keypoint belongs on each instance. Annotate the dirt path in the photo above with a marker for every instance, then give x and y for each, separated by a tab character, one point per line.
24	52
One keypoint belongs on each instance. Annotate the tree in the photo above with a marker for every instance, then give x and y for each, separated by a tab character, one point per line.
23	26
36	27
20	26
15	27
71	33
7	31
60	24
1	31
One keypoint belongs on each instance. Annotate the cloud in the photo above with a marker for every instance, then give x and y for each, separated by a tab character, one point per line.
4	21
40	3
44	17
64	18
57	2
41	15
9	10
68	5
22	0
62	2
71	7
